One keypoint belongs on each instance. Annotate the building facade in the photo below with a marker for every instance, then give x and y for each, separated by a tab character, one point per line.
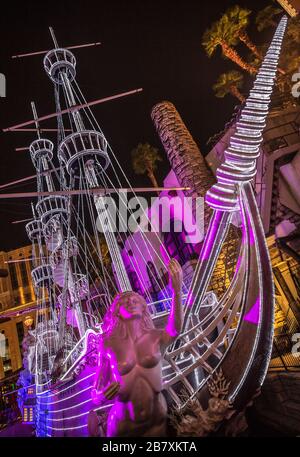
17	307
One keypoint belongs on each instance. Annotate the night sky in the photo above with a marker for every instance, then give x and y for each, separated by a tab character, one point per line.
151	44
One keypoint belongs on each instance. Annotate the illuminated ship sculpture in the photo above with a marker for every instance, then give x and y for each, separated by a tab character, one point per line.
234	335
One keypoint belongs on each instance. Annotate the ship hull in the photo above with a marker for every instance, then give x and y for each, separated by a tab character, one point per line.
63	409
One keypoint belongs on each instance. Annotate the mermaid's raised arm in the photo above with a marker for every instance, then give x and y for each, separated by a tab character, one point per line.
175	321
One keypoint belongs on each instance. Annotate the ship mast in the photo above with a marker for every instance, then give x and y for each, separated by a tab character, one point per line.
41	150
84	152
54	213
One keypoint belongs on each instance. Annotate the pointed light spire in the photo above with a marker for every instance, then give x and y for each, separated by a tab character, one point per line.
240	157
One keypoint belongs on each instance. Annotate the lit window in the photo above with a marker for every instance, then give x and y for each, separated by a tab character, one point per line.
24	275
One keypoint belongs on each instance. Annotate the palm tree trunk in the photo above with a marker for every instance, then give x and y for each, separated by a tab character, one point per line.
236	93
244	37
229	52
281	71
152	177
183	153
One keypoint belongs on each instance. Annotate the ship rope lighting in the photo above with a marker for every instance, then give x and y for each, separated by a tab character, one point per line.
223	196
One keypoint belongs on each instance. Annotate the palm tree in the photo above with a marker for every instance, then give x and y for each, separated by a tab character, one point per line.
293	32
97	245
221	34
291	61
239	20
265	17
289	58
229	83
144	160
185	158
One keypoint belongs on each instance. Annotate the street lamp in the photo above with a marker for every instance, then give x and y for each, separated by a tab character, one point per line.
28	321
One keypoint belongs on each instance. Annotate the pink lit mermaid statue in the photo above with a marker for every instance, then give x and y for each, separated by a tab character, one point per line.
130	370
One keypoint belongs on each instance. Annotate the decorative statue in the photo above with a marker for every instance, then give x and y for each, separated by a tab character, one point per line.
220	415
200	422
130	369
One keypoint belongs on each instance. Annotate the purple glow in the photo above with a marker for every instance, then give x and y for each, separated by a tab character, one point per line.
125	313
72	318
238	264
117	414
114	366
253	314
170	327
131	411
109	372
207	248
251	234
164	254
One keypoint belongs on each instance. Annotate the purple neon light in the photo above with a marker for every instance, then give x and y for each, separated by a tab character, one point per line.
171	327
207	248
253	314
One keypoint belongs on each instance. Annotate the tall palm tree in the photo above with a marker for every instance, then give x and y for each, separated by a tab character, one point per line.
229	83
265	17
96	246
144	160
293	32
291	61
221	34
239	20
185	158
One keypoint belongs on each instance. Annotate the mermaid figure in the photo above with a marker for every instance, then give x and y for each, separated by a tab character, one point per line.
129	370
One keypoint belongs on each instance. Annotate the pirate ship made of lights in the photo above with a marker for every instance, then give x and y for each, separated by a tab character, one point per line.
71	178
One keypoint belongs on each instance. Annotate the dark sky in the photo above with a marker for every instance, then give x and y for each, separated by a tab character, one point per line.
151	44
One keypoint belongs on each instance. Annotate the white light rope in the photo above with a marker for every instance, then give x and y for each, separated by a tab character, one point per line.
122	172
239	165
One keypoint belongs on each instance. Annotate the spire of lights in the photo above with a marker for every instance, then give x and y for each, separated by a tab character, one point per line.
240	157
